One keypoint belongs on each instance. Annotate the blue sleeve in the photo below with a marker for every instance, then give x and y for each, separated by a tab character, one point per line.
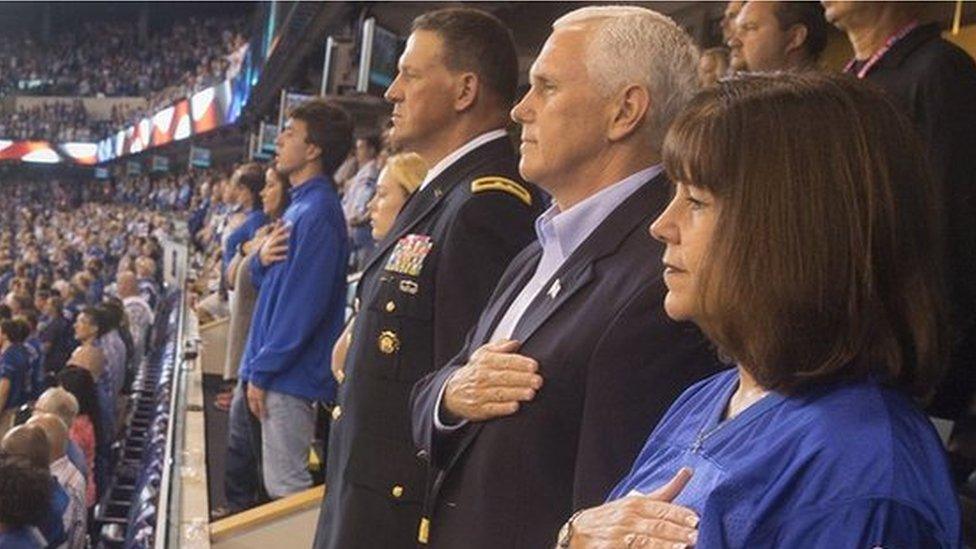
314	264
230	248
874	522
8	370
242	234
257	270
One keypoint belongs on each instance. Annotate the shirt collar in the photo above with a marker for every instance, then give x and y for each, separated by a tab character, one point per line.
300	190
564	231
446	162
909	43
61	463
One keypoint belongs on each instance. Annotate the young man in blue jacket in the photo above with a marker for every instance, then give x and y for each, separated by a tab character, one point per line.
301	298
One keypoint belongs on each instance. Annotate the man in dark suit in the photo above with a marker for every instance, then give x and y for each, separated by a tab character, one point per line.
430	276
573	359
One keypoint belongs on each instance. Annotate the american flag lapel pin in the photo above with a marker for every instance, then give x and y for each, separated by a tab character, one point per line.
554	289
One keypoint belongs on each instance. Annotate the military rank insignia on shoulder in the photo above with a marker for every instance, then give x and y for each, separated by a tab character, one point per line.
409	253
503	184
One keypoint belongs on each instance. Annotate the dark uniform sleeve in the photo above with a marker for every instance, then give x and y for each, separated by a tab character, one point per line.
490	229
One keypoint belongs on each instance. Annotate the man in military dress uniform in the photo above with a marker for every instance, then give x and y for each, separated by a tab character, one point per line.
430	276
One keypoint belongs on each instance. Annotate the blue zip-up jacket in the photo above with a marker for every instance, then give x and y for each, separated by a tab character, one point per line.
301	301
255	219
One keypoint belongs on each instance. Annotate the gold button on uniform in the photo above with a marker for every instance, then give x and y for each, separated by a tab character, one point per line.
388	342
390	306
397	491
336	412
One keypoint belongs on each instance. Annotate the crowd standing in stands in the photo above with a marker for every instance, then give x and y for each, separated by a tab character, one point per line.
513	379
58	121
78	271
107	59
488	394
102	59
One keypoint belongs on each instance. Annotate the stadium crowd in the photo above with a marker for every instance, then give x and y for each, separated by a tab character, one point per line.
57	121
712	303
108	59
80	279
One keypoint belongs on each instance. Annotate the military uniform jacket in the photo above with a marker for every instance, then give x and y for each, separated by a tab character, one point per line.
611	362
421	291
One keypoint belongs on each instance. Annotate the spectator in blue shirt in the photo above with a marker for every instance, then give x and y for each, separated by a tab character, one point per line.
248	180
38	379
301	300
14	369
25	490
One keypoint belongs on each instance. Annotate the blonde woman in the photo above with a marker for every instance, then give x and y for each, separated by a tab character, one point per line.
401	176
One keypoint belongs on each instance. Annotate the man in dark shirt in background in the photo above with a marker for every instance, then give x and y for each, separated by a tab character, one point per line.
935	82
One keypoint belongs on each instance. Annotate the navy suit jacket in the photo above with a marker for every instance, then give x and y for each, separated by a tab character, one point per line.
611	362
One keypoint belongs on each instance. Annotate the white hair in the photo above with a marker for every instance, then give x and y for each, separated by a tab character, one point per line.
634	45
59	402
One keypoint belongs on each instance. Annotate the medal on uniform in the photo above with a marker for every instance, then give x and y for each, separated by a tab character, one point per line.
409	287
388	342
409	254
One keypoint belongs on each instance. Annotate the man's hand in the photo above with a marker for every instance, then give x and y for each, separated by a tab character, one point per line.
639	521
492	384
275	248
255	401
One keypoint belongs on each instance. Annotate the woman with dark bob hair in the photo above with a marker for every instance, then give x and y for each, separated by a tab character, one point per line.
802	240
